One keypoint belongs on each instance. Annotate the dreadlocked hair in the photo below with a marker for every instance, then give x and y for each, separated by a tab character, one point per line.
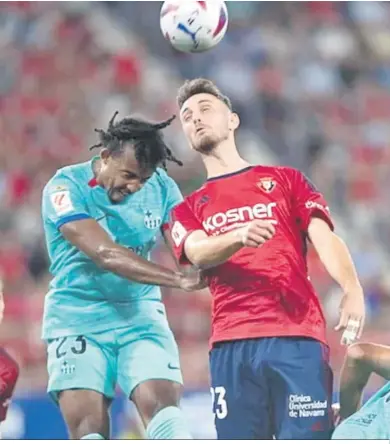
146	138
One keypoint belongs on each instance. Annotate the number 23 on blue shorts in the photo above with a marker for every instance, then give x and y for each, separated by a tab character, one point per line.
79	362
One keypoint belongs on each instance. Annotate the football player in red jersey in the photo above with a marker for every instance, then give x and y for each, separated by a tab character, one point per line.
248	228
9	371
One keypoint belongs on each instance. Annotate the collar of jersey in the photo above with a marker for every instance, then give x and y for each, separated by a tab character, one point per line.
234	173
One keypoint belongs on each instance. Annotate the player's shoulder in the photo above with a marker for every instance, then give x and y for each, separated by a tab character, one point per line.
162	177
195	196
188	203
276	170
68	176
163	180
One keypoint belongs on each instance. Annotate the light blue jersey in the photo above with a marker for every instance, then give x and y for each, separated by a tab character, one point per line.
371	421
84	298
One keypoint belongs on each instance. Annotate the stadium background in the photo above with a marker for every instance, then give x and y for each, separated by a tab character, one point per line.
311	84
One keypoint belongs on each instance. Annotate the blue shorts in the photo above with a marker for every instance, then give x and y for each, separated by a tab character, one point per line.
124	356
372	421
272	387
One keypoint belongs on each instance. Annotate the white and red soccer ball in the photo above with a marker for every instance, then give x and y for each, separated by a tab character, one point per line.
193	26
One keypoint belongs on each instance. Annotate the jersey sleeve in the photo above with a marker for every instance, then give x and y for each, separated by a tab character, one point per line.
63	202
183	223
308	202
174	198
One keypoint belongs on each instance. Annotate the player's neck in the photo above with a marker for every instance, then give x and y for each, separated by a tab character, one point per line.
96	167
223	160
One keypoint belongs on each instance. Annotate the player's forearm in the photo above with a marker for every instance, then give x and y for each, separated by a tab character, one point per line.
354	377
89	237
212	251
127	264
335	256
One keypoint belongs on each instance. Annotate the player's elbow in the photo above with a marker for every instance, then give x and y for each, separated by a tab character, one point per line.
201	250
191	253
201	265
196	258
105	257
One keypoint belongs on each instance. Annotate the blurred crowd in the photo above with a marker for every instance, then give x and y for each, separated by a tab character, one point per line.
309	80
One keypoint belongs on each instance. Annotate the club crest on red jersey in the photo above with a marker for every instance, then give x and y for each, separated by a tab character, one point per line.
266	184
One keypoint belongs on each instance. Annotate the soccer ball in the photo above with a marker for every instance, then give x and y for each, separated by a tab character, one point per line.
192	26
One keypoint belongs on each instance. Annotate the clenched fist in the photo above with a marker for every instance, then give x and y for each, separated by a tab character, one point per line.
257	232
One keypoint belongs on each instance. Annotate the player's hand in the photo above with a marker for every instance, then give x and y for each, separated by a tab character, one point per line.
336	414
192	281
257	232
352	315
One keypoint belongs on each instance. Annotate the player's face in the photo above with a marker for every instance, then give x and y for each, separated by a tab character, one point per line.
206	122
122	174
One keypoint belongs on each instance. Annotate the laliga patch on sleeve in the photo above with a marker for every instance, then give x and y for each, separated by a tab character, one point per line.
178	233
310	204
62	203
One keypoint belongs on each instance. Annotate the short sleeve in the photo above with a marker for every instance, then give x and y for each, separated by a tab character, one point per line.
174	198
308	202
63	202
183	223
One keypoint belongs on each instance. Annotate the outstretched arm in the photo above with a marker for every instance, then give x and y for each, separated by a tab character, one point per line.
362	360
64	206
88	236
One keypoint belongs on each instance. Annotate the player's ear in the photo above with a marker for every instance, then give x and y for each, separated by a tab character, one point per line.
104	155
234	121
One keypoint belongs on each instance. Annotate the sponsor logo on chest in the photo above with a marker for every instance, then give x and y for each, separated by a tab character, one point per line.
235	217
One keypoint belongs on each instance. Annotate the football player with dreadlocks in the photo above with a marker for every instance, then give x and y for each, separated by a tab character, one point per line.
104	321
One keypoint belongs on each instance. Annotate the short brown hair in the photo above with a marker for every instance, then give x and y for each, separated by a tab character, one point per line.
200	86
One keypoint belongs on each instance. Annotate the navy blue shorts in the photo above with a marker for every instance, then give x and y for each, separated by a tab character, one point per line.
272	388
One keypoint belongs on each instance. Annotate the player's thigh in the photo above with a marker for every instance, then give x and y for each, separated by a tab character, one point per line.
85	362
239	392
301	388
154	355
85	412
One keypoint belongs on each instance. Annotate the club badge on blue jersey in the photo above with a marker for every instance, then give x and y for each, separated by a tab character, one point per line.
151	221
